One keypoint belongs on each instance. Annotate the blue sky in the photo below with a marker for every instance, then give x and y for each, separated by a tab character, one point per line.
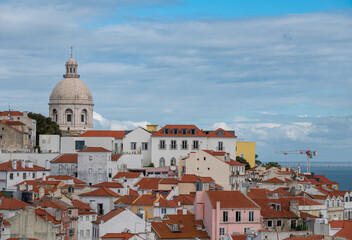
277	72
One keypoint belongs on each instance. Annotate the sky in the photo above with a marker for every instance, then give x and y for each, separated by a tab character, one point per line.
277	72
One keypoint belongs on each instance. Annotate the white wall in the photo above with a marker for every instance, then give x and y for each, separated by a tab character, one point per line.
68	144
84	224
138	136
49	143
229	145
40	159
93	201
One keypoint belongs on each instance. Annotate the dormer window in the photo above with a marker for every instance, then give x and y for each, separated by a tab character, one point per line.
184	131
193	131
220	133
175	131
166	131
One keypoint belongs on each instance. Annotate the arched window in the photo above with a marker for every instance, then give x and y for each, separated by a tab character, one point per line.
74	70
333	203
69	115
338	202
327	203
162	162
84	116
70	69
173	162
55	118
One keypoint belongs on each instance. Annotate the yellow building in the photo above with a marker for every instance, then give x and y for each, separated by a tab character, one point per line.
152	128
247	151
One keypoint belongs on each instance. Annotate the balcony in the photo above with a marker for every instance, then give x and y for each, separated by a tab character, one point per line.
173	147
220	148
72	231
162	147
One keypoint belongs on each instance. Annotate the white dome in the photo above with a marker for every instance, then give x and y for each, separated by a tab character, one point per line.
72	61
71	89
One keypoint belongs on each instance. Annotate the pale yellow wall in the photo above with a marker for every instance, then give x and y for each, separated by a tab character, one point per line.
152	128
186	188
166	186
147	213
248	149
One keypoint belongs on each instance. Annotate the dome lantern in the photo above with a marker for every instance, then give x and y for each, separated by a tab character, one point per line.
71	68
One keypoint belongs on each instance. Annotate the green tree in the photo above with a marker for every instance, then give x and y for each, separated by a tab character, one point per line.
45	125
257	162
244	161
271	164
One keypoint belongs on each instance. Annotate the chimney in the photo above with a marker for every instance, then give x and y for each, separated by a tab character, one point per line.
184	211
23	164
14	164
294	204
30	164
44	177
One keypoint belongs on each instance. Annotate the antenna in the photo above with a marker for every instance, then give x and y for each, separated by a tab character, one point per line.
71	51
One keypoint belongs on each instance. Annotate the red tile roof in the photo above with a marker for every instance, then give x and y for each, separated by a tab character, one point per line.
192	178
51	204
66	158
95	149
41	213
120	236
13	123
109	185
277	180
234	163
148	183
324	180
101	192
239	237
226	199
109	133
81	205
258	193
184	199
7	166
310	237
127	175
12	204
167	204
199	133
169	181
127	199
115	157
267	210
65	177
187	226
226	133
109	215
147	199
12	113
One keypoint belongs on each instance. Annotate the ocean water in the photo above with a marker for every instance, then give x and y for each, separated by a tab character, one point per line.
340	172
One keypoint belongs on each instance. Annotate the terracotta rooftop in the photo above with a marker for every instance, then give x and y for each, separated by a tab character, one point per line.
148	183
101	192
81	205
277	180
66	158
127	175
186	224
12	113
44	215
94	149
239	237
169	181
66	178
217	133
109	215
119	236
179	128
268	211
192	178
115	157
12	204
109	185
127	199
7	166
310	237
226	199
95	133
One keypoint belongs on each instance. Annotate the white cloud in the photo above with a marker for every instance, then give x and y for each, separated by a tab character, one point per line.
245	119
302	116
303	124
117	125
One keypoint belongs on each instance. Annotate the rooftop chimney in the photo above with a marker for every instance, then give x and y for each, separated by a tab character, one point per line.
14	164
23	164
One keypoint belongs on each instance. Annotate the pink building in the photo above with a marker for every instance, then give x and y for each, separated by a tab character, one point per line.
227	212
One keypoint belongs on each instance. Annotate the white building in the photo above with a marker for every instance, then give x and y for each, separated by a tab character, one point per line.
138	141
71	103
65	164
49	143
128	179
16	171
174	141
123	220
94	165
100	200
85	225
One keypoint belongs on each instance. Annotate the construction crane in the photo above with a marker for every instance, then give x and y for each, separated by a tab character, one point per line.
309	154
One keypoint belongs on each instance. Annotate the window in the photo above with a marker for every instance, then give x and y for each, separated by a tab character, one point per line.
193	131
184	131
79	145
327	203
238	216
82	118
24	175
250	216
195	144
208	168
166	131
140	209
133	145
225	216
0	136
278	223
162	144
173	144
33	175
90	170
150	210
163	210
269	223
100	209
162	162
144	146
81	233
222	231
69	117
332	203
184	144
11	176
100	171
220	133
204	158
220	146
175	131
173	162
338	203
87	233
90	158
242	155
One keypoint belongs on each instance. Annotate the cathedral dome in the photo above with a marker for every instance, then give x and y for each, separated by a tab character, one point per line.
71	89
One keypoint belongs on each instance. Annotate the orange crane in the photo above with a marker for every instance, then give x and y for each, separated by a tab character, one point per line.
309	154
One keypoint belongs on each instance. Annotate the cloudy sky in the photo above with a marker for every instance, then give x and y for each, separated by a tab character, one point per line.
277	72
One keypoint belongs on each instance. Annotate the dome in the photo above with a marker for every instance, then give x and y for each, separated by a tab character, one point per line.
72	61
71	89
